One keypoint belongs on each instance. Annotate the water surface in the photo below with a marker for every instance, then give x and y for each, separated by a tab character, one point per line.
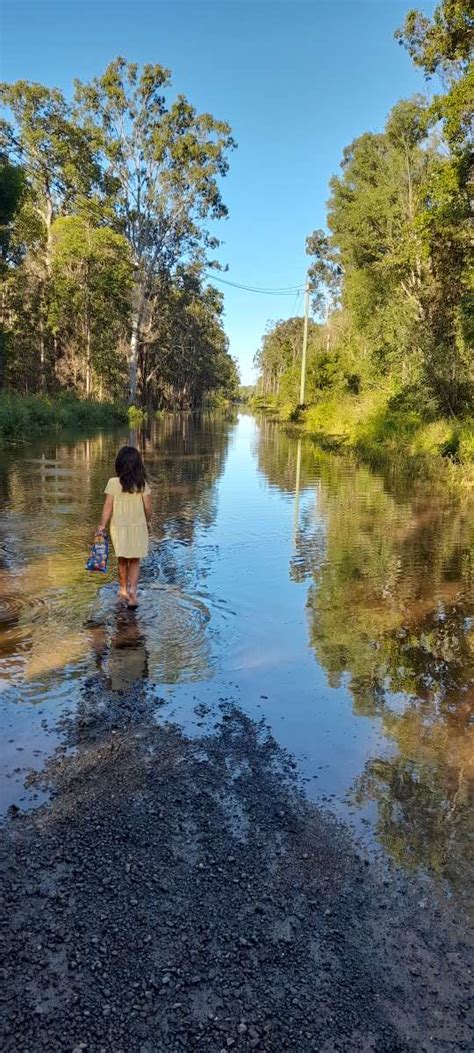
334	603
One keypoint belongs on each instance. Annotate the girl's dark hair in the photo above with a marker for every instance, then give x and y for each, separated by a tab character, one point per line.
130	469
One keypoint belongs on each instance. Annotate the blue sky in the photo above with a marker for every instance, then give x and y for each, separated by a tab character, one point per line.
296	79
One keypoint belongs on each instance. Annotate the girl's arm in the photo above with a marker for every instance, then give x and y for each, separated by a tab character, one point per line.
106	513
147	507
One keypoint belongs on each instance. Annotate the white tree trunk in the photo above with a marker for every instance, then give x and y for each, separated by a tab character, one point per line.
88	363
42	354
134	346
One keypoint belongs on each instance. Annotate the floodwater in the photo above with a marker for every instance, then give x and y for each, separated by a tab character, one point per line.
332	603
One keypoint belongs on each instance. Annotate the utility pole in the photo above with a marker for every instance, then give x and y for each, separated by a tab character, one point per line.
305	342
296	512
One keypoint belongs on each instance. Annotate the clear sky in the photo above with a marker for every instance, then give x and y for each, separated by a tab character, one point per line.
297	80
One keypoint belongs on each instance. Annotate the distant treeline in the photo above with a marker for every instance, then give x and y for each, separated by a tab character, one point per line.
246	392
104	246
391	280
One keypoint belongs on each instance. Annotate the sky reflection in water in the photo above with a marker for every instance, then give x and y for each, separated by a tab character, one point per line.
333	602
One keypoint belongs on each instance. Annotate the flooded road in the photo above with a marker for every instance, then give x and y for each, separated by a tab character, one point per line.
333	603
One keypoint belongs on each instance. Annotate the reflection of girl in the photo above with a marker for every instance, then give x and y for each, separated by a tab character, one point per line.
128	502
128	659
124	656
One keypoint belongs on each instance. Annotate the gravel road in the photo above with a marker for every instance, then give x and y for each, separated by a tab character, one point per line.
181	894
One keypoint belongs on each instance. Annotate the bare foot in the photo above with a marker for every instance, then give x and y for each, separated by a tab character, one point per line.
122	595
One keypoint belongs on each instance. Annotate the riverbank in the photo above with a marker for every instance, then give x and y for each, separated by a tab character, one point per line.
380	433
25	417
112	936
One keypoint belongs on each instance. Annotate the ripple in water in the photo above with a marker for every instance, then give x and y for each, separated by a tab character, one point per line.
164	640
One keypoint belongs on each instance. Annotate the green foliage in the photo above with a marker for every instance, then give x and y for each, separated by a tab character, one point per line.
56	154
394	271
103	241
22	417
385	428
136	416
90	303
162	161
215	400
332	362
389	612
325	271
245	392
12	189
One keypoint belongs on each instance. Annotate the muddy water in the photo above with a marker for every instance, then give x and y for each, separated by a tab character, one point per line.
335	604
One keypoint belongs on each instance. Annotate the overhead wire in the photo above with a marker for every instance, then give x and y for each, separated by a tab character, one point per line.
285	291
297	304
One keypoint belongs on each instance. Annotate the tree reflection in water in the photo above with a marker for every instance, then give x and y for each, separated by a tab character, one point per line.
391	614
52	492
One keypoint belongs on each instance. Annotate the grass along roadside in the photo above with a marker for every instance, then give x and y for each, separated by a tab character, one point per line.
378	430
23	417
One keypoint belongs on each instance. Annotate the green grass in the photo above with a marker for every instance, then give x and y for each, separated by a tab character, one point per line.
382	427
23	417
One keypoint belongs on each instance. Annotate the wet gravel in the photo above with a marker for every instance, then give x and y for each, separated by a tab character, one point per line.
181	894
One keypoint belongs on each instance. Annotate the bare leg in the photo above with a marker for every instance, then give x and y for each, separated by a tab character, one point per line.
133	575
123	575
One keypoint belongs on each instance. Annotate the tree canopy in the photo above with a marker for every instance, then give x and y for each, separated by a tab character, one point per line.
391	277
104	239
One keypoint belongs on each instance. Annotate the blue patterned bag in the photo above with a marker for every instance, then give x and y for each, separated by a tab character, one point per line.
99	554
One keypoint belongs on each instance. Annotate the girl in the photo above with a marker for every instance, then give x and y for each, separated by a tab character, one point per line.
128	502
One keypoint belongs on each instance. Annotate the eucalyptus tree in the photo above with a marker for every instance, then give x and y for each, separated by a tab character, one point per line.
163	161
443	46
89	304
12	188
374	222
39	134
185	355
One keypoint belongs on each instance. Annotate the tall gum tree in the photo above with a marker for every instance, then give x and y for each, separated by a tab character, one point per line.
163	162
39	133
91	282
443	46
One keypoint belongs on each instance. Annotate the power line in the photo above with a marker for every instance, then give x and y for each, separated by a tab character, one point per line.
305	343
297	304
288	291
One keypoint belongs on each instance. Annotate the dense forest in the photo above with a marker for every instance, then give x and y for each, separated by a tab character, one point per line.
391	279
106	205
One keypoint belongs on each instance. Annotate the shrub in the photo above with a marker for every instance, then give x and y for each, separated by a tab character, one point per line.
22	417
136	416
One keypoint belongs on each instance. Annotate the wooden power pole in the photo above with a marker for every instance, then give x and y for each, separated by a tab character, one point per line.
305	343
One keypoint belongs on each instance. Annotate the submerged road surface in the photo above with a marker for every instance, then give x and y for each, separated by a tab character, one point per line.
239	819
